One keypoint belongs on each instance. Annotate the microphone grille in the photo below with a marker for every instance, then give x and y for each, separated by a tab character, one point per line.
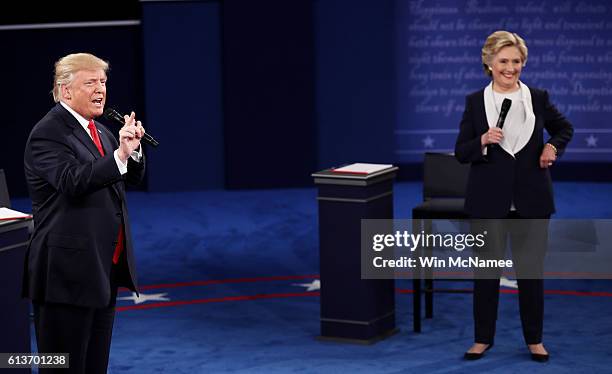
506	104
111	113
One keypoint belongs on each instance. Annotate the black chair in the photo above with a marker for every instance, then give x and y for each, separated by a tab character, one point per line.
444	184
5	201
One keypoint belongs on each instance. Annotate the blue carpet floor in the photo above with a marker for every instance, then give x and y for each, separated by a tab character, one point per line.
228	275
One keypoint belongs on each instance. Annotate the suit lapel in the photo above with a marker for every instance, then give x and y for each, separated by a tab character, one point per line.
78	131
84	138
107	143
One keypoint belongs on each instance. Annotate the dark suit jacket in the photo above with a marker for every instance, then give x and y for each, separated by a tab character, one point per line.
78	203
498	179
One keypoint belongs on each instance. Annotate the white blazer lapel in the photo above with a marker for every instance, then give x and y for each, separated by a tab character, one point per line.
529	125
493	115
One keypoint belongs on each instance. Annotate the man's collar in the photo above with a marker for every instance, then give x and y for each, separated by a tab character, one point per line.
82	120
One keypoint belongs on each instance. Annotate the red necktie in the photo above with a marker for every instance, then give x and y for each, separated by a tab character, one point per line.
119	246
93	131
96	139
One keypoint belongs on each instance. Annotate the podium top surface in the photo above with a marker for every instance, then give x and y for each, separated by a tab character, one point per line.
327	176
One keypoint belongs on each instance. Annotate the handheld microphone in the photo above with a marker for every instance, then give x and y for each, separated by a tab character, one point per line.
112	114
505	107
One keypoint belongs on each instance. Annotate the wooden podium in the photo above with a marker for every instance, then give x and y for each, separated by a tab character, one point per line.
15	321
352	309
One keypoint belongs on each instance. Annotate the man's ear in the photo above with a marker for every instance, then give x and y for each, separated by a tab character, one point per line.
66	92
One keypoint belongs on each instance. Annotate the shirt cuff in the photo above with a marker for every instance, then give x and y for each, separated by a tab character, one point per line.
122	167
137	155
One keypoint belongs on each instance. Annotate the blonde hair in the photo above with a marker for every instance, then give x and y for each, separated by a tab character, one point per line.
498	40
67	66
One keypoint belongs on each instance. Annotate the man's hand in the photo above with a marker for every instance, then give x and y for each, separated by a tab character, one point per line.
129	137
547	157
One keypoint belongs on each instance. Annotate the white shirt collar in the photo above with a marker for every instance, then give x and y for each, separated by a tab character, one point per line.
84	122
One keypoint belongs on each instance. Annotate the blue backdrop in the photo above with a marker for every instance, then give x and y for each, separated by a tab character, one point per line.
259	94
438	52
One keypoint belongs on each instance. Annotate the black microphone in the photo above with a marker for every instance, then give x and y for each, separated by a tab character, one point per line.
112	114
505	107
503	113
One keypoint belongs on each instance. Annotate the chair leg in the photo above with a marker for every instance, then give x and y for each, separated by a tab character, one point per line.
416	302
428	298
429	276
416	284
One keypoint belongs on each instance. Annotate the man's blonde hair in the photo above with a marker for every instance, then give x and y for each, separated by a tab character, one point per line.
67	66
498	40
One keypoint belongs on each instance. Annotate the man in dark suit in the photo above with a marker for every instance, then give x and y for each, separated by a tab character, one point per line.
81	249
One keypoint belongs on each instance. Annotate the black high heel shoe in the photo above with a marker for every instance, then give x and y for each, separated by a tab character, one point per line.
539	357
476	356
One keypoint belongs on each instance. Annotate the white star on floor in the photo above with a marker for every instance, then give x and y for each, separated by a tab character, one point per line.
312	286
144	298
591	141
505	282
428	142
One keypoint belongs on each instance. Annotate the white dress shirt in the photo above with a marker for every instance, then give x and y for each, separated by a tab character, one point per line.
514	119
